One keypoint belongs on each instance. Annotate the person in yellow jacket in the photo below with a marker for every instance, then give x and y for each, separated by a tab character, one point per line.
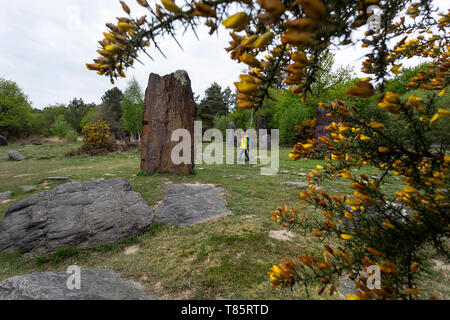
245	145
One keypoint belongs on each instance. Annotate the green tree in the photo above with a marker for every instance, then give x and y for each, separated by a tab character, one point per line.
229	98
110	110
222	123
326	78
91	116
15	110
214	103
75	112
133	108
51	112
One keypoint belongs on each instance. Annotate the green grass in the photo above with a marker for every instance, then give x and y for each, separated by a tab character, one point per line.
227	258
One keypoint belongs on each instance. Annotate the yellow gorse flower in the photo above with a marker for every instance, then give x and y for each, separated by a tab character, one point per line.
346	236
170	6
237	22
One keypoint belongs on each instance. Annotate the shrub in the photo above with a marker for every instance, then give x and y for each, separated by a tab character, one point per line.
72	135
221	123
241	118
60	128
97	136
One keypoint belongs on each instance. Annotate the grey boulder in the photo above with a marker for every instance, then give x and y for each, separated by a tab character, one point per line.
15	155
375	214
75	214
5	195
94	285
186	204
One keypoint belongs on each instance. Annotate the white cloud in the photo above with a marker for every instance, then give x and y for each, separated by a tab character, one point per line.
46	43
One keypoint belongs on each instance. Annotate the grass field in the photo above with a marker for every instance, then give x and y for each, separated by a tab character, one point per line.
227	258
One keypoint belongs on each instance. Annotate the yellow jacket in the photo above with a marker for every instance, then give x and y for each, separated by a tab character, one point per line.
244	142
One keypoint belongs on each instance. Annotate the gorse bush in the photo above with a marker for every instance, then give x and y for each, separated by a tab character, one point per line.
306	130
285	41
97	135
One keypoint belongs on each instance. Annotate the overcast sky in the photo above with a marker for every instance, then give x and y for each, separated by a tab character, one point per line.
46	44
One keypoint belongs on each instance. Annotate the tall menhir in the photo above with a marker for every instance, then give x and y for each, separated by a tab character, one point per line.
169	105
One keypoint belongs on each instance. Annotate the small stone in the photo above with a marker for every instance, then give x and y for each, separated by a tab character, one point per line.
15	155
5	195
27	188
296	184
132	249
282	235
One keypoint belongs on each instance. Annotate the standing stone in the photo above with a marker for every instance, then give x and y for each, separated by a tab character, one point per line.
264	139
169	105
15	155
3	141
232	140
323	121
261	124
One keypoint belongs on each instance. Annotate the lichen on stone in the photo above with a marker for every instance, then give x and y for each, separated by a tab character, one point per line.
181	76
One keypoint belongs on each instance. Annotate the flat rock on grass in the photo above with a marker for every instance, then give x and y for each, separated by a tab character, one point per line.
186	205
282	235
5	195
95	285
60	178
296	184
131	249
27	188
81	213
15	155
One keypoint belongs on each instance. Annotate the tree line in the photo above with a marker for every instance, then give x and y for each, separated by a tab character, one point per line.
18	119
